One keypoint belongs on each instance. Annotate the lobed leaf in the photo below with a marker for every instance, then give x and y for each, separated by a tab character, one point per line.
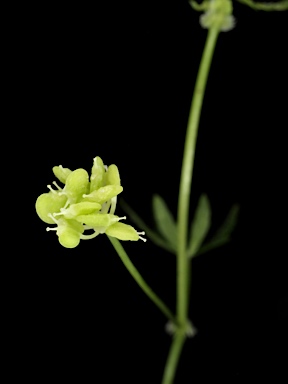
150	233
200	226
164	220
223	235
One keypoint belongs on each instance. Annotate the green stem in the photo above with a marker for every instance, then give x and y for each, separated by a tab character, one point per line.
173	358
183	281
278	6
186	175
139	279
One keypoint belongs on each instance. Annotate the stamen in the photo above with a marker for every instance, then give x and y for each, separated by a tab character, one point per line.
51	189
105	207
88	237
142	238
53	218
61	193
51	229
57	186
60	213
113	205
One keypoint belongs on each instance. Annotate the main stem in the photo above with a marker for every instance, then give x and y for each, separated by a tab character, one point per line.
184	203
186	174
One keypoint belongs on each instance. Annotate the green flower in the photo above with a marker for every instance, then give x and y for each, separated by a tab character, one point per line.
85	204
218	14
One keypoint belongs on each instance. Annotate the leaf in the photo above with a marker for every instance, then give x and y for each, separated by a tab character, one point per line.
152	235
164	220
223	235
229	224
200	225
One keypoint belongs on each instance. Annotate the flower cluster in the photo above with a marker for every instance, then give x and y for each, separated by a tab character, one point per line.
218	14
85	204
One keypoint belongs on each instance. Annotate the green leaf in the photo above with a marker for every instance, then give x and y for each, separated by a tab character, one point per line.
165	222
200	225
152	235
223	235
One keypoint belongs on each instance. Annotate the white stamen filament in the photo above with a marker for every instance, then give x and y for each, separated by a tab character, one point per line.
51	229
88	237
113	205
53	218
51	189
62	212
142	238
105	207
57	186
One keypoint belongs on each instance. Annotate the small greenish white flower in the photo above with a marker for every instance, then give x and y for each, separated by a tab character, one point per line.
85	204
190	330
218	14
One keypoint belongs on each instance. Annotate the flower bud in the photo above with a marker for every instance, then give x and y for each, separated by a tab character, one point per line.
69	232
98	219
77	183
122	232
112	175
97	174
61	173
103	194
83	208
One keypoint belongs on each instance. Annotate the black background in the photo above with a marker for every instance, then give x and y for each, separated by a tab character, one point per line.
116	80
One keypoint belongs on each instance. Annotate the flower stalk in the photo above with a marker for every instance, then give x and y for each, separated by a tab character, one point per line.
140	281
